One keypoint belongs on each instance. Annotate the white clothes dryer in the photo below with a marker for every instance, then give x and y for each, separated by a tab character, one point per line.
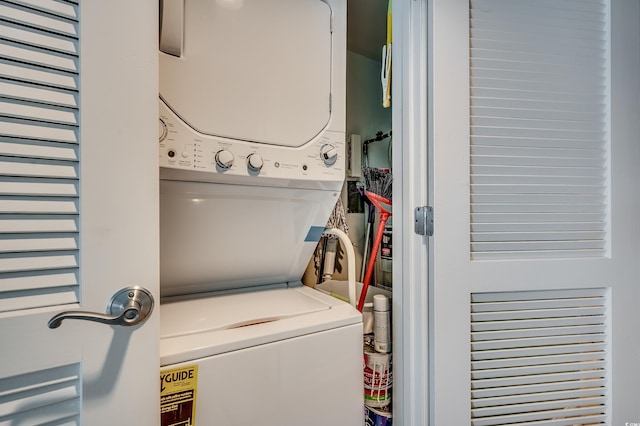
252	117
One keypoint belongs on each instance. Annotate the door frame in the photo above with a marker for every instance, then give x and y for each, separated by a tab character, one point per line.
410	122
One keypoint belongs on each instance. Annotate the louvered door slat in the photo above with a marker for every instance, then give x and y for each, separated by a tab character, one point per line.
530	370
539	405
514	391
537	332
21	300
527	95
540	161
38	261
37	223
519	302
525	171
542	115
40	131
494	240
45	40
568	416
557	87
585	199
538	94
537	351
53	396
39	169
500	315
543	152
540	295
26	186
524	218
38	280
42	21
539	397
533	207
527	323
540	357
537	179
544	370
39	94
50	397
47	77
536	189
539	227
588	8
577	5
519	305
37	57
532	342
480	128
66	9
38	149
534	105
553	17
539	360
38	205
36	242
491	80
38	113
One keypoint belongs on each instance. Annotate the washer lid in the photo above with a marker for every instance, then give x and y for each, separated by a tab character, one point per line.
233	311
250	69
204	326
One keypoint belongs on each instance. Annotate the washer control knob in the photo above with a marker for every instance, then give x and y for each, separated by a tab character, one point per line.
329	154
224	159
162	130
255	162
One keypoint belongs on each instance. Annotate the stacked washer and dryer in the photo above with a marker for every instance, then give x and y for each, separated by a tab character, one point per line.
252	118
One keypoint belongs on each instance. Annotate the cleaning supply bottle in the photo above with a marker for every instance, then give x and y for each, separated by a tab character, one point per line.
384	259
381	324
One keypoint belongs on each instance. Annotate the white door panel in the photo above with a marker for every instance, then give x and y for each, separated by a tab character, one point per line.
78	207
533	269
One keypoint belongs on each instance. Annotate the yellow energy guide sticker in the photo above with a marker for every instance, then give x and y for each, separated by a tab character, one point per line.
178	396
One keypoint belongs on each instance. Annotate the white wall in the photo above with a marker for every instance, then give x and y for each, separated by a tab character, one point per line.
365	114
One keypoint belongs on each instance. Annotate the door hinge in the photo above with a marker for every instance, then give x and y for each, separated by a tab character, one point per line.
424	220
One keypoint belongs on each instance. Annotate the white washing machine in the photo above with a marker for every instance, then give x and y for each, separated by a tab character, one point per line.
252	116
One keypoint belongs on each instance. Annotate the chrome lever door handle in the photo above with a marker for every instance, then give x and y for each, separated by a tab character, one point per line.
129	306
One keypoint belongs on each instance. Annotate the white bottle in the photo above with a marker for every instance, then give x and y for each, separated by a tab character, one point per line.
381	324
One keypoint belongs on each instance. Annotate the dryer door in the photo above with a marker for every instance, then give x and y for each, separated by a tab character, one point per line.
216	237
252	70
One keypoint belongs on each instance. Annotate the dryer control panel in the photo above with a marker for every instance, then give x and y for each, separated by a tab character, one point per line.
322	160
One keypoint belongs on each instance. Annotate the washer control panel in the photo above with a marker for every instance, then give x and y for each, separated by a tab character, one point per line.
181	147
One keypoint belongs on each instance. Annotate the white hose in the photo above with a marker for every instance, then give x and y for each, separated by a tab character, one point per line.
351	262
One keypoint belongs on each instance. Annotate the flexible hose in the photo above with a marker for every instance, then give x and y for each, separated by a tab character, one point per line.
351	261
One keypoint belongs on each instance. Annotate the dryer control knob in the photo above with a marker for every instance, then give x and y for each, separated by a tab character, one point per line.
162	130
224	159
255	162
329	154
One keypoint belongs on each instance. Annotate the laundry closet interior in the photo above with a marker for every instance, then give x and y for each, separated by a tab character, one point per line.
275	205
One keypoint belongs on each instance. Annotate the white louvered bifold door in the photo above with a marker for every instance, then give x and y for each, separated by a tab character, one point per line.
534	276
39	163
71	73
39	194
539	128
